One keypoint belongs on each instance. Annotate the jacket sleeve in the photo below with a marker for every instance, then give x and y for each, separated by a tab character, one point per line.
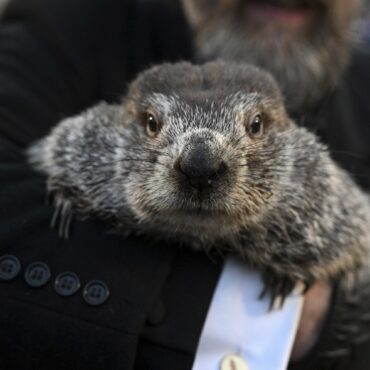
49	69
50	51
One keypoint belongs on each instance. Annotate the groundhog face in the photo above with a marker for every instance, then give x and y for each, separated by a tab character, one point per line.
200	138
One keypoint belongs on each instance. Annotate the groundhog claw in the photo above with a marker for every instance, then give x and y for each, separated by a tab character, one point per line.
63	213
279	287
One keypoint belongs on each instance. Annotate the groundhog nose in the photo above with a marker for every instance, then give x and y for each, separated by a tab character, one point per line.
200	167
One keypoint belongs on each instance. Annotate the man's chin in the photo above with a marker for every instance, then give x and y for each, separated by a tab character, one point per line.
306	47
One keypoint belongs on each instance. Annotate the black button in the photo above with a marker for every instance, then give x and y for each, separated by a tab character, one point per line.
67	283
157	314
9	267
37	274
96	292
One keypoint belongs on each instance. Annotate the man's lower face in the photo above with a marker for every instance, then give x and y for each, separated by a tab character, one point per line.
305	44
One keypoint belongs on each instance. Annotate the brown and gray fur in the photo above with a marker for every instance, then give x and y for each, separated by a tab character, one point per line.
280	202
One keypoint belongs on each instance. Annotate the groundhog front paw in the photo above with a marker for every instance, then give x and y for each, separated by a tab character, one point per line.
63	213
280	286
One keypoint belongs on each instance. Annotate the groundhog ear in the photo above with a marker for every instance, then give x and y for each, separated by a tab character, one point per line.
289	123
130	107
128	112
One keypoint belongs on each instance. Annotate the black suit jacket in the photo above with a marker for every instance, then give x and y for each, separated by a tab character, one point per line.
57	58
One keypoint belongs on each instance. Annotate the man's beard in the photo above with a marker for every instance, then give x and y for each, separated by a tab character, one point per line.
306	64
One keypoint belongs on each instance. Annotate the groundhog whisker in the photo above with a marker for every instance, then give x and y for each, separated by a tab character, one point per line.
282	169
140	160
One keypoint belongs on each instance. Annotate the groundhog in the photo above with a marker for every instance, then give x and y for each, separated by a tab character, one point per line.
207	156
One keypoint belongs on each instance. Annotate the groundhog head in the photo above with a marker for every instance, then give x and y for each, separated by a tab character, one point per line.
199	143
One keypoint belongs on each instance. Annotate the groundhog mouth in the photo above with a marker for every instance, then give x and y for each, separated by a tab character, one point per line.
202	210
194	218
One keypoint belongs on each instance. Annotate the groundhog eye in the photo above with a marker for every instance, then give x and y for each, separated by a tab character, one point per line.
256	126
152	125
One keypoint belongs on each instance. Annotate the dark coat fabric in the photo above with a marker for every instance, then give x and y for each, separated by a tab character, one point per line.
56	59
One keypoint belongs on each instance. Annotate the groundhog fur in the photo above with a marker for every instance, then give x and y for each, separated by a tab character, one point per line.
207	156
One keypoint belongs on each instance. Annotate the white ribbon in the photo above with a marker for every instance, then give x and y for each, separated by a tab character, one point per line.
238	322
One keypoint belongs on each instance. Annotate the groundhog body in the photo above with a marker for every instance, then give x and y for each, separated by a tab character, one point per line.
207	156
